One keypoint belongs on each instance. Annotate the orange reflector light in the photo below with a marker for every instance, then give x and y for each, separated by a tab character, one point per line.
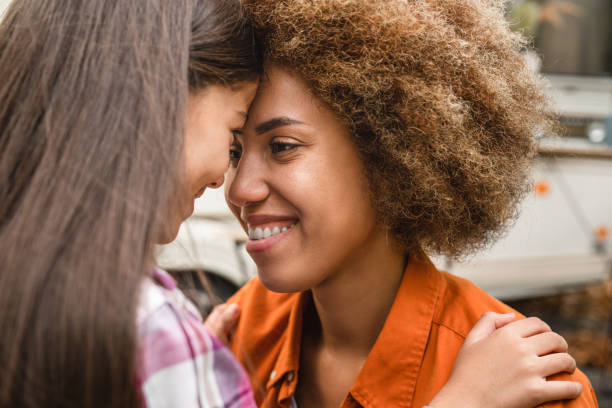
602	233
542	187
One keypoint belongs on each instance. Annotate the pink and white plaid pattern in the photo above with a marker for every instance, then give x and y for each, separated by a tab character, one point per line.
180	364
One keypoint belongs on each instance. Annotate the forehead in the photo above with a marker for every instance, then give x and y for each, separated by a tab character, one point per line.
282	93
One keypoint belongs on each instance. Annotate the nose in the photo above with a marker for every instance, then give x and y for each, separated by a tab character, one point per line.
217	183
246	184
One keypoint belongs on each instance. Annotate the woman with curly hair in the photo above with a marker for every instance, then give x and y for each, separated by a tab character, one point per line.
384	132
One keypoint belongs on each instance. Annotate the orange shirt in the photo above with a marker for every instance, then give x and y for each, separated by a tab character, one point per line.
411	360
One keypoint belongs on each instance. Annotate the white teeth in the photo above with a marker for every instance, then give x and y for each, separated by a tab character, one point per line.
257	233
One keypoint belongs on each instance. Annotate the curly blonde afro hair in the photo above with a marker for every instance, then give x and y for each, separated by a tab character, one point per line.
441	105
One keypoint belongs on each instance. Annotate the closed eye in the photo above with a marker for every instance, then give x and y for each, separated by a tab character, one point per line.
235	151
234	154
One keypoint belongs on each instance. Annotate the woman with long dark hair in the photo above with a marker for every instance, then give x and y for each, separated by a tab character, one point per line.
92	134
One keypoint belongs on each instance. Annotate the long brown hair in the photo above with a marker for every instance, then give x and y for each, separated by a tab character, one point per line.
91	133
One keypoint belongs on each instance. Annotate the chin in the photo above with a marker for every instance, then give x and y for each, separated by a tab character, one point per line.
169	232
168	235
174	219
278	280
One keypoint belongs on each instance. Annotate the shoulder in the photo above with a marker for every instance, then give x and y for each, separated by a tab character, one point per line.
165	332
586	399
179	363
169	326
463	303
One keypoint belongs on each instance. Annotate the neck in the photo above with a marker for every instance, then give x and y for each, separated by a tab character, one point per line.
352	306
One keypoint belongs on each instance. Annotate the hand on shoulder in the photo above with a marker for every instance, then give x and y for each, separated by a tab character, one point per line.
505	363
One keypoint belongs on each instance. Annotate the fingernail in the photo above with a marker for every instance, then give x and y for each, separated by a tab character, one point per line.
233	308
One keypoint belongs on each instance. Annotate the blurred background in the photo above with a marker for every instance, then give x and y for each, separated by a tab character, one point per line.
556	261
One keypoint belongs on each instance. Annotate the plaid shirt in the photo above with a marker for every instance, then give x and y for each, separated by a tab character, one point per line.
180	364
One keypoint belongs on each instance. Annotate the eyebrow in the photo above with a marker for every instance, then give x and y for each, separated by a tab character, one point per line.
276	123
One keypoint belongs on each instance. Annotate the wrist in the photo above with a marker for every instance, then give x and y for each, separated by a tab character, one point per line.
449	397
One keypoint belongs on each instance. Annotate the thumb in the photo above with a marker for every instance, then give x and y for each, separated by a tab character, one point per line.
487	324
221	321
230	317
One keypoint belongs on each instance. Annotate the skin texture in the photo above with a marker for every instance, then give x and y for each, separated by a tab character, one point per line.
213	116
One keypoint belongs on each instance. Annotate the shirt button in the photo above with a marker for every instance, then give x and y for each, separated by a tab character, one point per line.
290	376
273	375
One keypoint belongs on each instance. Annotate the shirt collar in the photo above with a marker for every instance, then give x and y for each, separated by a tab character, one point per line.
164	279
288	360
389	375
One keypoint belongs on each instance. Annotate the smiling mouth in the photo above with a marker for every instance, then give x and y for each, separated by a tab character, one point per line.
259	233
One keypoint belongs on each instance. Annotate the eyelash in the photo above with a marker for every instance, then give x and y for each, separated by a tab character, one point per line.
278	148
234	154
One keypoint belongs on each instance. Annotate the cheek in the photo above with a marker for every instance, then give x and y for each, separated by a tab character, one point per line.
333	198
193	166
205	162
348	213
